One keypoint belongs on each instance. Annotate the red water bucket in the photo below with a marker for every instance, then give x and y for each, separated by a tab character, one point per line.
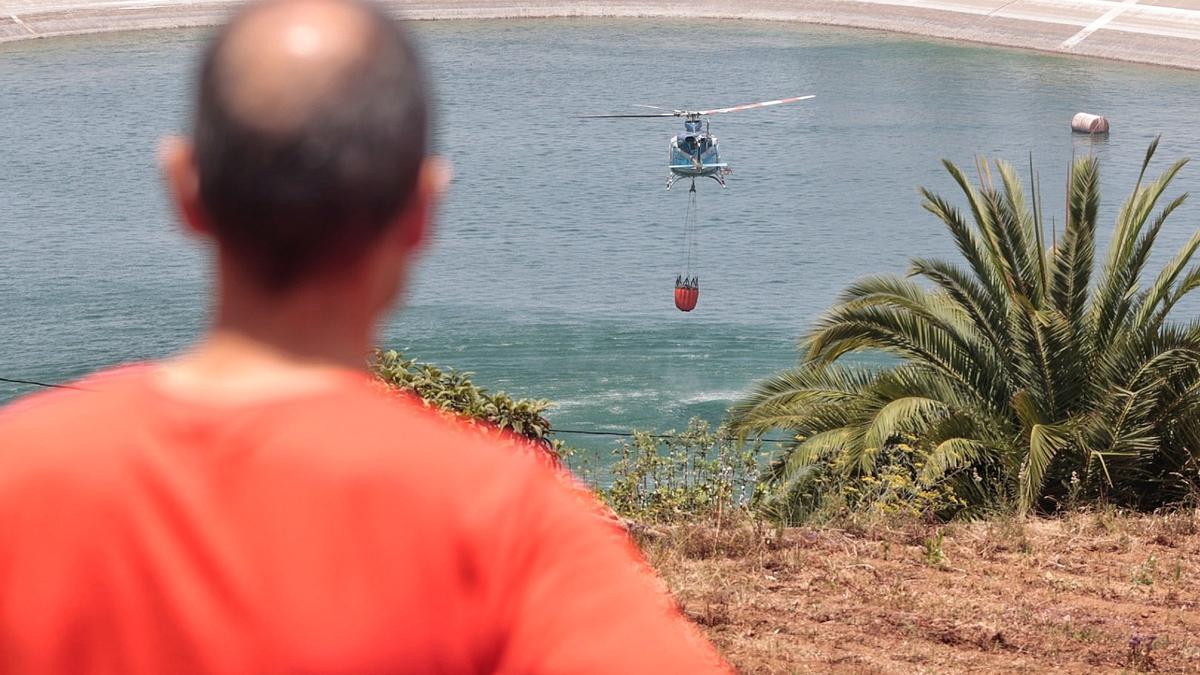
686	296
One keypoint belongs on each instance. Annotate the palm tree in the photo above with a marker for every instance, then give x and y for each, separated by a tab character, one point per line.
1020	375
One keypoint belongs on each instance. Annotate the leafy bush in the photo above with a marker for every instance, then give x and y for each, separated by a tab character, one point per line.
1023	377
655	477
453	392
682	475
893	492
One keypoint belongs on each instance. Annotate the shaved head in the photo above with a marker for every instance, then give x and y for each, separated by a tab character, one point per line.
310	130
282	61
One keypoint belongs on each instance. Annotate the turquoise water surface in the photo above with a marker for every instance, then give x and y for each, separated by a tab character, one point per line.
552	270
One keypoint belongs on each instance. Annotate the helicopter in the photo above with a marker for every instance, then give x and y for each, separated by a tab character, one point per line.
695	153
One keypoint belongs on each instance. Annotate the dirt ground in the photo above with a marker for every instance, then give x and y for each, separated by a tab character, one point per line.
1089	593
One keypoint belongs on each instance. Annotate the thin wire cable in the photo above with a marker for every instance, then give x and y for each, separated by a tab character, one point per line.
581	432
630	434
41	384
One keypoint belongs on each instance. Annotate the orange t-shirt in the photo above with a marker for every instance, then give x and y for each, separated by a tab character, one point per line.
345	531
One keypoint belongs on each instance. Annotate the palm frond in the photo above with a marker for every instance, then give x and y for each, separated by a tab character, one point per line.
788	399
1071	269
1160	291
907	415
811	450
950	454
1045	441
973	300
979	258
1118	295
1015	229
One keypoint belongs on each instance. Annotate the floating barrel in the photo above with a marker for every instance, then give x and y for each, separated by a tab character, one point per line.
1086	123
687	293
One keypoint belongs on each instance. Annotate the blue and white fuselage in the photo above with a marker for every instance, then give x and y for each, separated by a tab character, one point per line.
695	153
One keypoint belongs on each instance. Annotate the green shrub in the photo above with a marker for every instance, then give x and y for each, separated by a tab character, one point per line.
453	392
893	492
695	473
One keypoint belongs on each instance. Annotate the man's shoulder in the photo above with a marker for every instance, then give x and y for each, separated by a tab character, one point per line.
361	433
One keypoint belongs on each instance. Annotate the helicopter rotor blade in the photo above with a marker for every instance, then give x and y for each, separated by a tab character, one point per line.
655	107
597	117
750	106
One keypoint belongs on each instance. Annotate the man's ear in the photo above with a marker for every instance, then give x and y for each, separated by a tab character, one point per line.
415	224
176	159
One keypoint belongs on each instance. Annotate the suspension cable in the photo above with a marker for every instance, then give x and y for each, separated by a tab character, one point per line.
694	211
690	217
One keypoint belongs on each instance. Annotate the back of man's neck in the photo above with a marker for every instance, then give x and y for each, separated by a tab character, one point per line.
232	366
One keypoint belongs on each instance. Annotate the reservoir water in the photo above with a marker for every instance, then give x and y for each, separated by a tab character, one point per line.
552	271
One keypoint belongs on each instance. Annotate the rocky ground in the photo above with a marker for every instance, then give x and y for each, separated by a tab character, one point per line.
1092	592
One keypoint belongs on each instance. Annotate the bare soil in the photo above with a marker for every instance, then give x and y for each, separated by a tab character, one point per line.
1089	593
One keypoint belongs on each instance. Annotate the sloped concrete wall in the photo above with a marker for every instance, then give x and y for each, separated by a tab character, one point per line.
1165	32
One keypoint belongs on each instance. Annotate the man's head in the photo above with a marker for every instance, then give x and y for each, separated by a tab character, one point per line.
309	150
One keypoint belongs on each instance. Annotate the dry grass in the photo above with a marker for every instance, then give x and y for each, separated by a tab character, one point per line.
1091	592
